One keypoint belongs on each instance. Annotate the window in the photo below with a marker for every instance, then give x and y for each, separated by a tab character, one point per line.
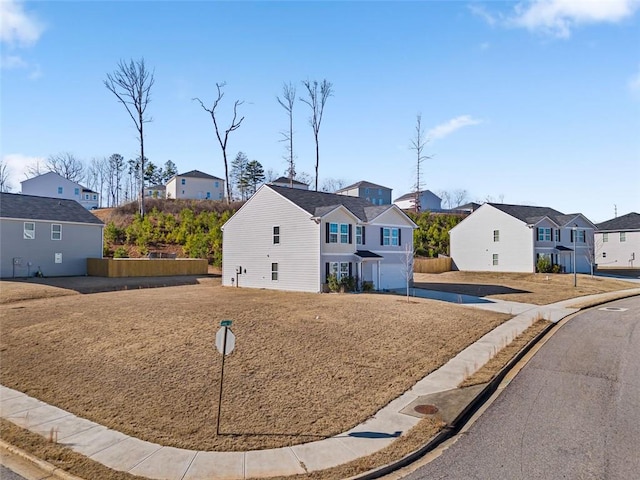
56	231
208	195
557	234
59	190
95	196
605	237
495	259
544	234
496	235
623	236
29	230
390	236
333	233
217	184
366	191
344	233
276	235
76	191
359	235
86	196
581	236
183	181
339	269
380	192
274	272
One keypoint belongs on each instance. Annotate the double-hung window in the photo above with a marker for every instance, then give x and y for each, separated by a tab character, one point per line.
391	236
359	235
605	237
544	234
333	233
557	234
274	272
344	233
495	259
59	190
344	269
339	269
276	235
496	235
623	236
56	231
29	231
581	236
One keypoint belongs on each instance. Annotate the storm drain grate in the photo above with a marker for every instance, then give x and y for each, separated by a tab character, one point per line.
426	409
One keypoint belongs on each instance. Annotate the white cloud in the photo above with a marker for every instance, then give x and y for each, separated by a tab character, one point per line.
18	27
447	128
18	165
559	17
10	62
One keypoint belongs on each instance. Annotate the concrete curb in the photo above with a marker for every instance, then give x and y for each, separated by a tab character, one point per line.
46	467
456	425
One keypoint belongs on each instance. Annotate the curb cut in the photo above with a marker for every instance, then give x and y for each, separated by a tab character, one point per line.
46	467
456	425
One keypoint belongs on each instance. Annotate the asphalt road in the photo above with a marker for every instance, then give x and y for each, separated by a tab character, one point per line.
6	474
573	412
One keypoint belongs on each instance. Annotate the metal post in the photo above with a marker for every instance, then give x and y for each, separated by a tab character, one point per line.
224	350
575	279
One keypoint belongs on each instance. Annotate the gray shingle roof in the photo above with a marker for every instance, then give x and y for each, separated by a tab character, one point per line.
412	195
630	221
198	174
532	215
286	180
362	183
321	203
30	207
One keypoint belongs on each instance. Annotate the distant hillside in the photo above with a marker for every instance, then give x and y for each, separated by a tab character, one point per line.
191	228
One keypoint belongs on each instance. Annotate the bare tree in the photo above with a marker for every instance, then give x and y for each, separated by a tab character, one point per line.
407	265
5	186
418	143
98	171
66	165
34	170
332	185
131	83
316	101
459	197
235	124
287	101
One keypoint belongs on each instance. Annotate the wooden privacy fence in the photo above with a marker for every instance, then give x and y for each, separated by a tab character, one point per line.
145	267
432	265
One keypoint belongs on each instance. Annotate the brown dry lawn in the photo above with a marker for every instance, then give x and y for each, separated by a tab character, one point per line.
306	366
533	288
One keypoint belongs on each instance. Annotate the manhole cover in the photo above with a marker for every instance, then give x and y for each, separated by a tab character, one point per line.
613	309
426	409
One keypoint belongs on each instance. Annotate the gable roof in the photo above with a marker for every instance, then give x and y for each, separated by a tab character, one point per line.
411	195
360	184
197	174
321	203
630	221
532	215
287	180
31	207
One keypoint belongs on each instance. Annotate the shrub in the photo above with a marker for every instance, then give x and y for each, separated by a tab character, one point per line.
121	252
333	283
367	286
543	265
556	268
349	283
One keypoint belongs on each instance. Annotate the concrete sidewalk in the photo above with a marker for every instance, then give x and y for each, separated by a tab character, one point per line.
138	457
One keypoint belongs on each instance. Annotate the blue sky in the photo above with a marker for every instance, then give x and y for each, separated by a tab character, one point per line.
533	102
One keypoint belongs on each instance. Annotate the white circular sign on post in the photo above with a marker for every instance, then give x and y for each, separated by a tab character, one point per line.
231	340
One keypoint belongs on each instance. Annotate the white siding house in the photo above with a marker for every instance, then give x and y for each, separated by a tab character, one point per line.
511	238
291	239
55	186
195	185
428	201
617	242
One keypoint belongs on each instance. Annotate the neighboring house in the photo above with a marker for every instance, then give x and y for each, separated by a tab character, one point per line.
618	242
53	185
466	208
290	239
286	182
51	235
429	201
376	194
155	191
195	185
511	238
